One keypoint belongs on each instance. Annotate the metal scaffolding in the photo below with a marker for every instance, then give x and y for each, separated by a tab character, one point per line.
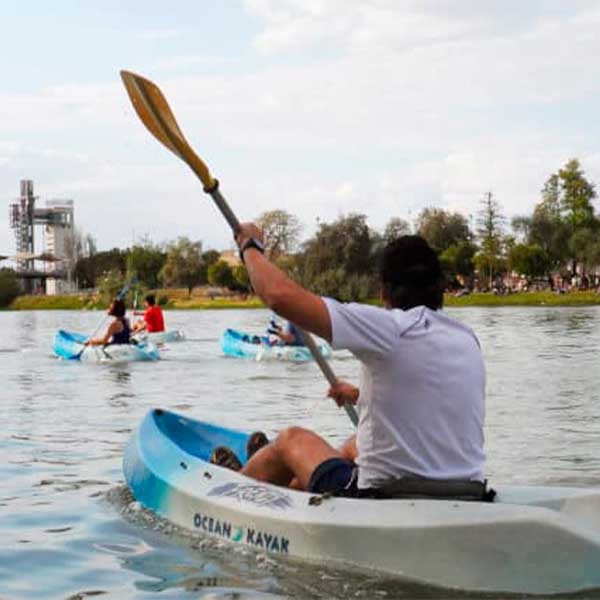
57	217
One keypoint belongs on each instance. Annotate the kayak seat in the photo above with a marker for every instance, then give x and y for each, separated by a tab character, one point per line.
418	488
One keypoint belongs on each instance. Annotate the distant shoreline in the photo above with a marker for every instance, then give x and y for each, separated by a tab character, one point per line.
181	302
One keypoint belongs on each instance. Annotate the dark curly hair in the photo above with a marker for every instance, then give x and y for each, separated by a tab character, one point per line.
411	274
118	308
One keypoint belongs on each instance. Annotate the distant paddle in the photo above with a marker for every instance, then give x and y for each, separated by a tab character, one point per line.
155	113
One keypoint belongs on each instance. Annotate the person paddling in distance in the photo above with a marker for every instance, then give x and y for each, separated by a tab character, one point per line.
153	319
421	398
286	336
118	331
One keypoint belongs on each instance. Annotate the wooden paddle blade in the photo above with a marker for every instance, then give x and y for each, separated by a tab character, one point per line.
155	113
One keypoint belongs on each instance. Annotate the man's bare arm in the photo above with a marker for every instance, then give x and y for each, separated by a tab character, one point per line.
280	293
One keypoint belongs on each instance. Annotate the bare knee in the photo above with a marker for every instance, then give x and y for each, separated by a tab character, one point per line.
290	437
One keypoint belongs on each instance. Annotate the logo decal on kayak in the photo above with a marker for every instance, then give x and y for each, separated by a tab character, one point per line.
245	535
256	494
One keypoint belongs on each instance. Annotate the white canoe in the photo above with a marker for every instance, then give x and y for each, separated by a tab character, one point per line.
160	337
537	540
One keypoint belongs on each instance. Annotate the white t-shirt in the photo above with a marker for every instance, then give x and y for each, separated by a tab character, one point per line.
422	392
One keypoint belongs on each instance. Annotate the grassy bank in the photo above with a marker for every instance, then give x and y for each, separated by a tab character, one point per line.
53	303
175	299
526	299
180	300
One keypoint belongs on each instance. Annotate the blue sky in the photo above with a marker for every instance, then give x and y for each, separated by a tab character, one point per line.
321	107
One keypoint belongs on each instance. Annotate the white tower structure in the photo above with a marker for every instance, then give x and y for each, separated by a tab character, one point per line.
60	243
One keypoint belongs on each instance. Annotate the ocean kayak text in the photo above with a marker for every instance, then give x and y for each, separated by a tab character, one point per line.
235	533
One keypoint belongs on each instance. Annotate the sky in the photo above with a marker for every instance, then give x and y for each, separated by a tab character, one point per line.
318	107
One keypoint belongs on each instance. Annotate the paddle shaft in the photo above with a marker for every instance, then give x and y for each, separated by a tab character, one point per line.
306	338
309	342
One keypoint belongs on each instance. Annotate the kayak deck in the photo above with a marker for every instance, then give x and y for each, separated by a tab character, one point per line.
531	540
242	345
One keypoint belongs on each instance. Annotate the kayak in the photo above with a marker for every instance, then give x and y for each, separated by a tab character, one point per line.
243	345
160	337
69	345
537	540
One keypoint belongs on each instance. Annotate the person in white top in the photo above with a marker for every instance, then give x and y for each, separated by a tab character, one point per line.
421	398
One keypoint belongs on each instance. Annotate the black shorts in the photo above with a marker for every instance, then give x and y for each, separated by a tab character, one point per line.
336	476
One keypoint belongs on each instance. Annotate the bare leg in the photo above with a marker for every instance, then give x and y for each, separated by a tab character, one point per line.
293	455
348	450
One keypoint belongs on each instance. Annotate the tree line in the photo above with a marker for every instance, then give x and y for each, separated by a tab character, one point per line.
561	236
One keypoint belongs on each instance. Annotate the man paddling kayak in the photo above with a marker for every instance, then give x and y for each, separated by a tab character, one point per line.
118	331
421	398
153	319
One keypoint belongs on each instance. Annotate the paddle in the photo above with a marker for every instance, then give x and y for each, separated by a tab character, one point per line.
120	296
155	113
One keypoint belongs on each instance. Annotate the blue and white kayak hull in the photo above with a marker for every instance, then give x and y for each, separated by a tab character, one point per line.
160	337
242	345
70	346
537	540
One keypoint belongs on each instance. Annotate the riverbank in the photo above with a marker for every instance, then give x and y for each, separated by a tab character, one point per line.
174	299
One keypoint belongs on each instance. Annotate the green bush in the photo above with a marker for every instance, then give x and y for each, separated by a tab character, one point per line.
9	286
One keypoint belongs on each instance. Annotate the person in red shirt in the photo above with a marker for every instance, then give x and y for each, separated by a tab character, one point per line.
153	317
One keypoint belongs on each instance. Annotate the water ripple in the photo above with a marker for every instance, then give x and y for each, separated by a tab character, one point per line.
70	530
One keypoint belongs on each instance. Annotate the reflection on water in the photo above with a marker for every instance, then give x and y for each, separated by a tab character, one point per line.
69	529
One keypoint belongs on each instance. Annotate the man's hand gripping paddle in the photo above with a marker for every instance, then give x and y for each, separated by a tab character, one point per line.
155	113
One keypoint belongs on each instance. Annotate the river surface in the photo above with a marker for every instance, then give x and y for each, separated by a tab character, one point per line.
68	527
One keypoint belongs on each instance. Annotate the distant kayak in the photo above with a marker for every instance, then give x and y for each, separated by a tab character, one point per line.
69	345
531	539
160	337
244	345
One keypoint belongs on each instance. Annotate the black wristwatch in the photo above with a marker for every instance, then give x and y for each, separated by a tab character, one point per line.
251	243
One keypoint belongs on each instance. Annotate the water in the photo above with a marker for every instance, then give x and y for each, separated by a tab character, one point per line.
68	528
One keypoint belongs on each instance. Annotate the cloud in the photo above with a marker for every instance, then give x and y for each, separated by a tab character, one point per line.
169	63
158	35
372	106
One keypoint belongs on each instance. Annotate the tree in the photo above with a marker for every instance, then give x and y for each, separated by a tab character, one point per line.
457	260
209	257
241	278
546	229
339	259
281	231
529	260
9	286
583	246
146	261
110	284
576	194
489	265
442	229
490	224
220	274
395	228
183	265
89	269
567	198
